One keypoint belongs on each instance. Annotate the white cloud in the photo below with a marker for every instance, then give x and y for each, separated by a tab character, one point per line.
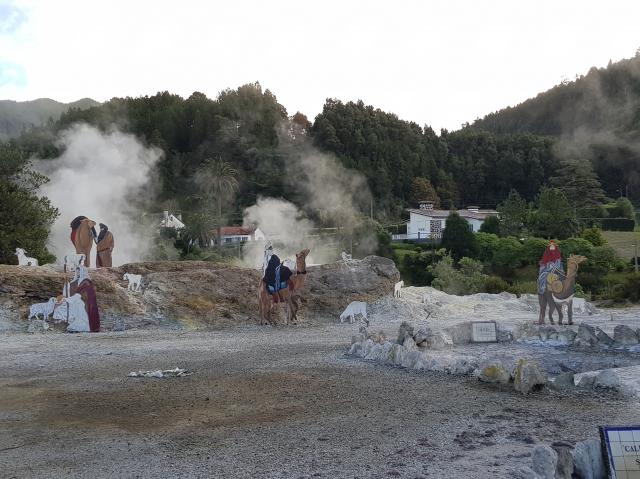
437	62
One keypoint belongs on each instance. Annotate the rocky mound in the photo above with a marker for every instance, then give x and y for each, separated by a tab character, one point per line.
194	295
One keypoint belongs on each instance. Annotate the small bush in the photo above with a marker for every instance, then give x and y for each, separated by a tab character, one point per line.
594	236
467	280
495	285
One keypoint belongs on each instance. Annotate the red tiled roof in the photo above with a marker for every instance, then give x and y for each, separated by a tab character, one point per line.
235	230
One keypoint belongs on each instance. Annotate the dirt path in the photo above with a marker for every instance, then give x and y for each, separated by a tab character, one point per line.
262	403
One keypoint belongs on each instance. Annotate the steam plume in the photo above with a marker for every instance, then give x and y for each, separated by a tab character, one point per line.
101	176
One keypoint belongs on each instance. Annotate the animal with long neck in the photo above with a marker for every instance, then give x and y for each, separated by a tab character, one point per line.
82	235
288	295
554	301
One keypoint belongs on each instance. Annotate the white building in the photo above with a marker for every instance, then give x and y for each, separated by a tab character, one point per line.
171	221
427	222
240	234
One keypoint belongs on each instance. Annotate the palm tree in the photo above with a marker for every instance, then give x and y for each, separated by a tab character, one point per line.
218	180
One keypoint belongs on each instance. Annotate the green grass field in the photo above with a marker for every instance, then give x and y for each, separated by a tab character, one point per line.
623	242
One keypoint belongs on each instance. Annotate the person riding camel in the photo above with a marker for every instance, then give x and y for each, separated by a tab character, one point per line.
550	263
275	274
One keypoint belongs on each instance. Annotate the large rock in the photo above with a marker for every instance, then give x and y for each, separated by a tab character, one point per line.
623	334
566	336
563	382
422	335
607	379
409	343
564	466
198	294
587	460
404	331
37	326
410	359
603	338
494	373
586	337
545	460
528	375
440	340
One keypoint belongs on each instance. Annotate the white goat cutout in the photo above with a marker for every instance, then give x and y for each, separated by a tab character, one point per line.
24	260
396	289
355	308
45	309
135	281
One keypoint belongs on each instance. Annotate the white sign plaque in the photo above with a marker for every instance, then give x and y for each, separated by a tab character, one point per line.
621	448
484	332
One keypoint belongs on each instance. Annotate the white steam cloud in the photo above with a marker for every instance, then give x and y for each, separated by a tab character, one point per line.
334	195
102	176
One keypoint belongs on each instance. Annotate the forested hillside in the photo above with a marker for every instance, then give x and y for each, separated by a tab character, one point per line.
595	117
519	148
18	116
248	128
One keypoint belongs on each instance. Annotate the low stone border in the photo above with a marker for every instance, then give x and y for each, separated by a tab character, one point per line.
564	460
425	350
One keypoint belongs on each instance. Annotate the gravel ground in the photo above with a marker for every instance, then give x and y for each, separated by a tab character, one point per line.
263	403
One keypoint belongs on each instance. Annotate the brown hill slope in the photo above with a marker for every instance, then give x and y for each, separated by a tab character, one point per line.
194	295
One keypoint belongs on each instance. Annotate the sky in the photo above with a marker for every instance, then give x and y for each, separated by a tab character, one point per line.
438	63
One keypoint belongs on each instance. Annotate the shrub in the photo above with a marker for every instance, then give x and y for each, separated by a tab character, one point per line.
458	238
532	250
487	244
594	236
467	280
491	225
575	246
495	285
414	268
508	255
630	289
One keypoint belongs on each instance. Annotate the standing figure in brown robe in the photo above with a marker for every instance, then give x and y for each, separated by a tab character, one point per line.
104	247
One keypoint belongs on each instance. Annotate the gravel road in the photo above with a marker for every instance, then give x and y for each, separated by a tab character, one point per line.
263	403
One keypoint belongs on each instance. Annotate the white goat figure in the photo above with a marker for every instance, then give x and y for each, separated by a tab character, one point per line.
346	257
397	289
355	308
24	260
135	281
45	309
72	261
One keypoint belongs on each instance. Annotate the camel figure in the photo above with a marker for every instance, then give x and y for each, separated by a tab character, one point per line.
82	235
559	292
287	296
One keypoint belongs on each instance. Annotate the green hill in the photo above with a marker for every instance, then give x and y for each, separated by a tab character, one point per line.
603	99
16	117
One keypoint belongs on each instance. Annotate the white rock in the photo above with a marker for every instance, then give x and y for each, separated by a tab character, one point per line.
410	358
439	340
623	334
607	379
545	460
37	326
376	353
525	473
409	343
367	347
587	460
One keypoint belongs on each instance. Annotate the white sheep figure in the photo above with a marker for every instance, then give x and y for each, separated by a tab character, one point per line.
397	289
45	309
135	281
355	308
24	260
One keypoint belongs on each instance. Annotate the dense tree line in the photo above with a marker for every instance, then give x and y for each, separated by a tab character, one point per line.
248	129
596	116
